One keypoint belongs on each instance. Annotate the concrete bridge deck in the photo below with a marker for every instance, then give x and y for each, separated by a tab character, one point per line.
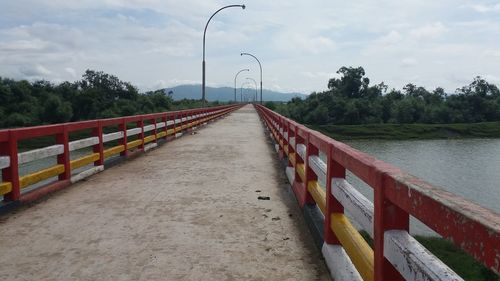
188	210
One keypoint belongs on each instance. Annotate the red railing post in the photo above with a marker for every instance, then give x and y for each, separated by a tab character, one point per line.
164	119
184	124
140	124
181	123
11	174
99	147
123	127
297	184
291	149
197	112
387	216
281	137
310	175
175	123
334	170
153	120
63	138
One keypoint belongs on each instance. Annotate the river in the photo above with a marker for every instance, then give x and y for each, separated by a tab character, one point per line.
466	167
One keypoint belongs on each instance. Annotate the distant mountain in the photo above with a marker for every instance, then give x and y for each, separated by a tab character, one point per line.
227	93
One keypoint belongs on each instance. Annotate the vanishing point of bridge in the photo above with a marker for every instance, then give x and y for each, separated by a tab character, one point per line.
218	204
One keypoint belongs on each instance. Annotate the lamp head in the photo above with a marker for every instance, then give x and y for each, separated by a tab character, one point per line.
243	7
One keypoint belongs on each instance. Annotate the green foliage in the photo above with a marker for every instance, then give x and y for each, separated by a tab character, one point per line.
271	105
56	111
97	95
350	100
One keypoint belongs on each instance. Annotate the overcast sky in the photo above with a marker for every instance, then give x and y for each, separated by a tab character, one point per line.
301	44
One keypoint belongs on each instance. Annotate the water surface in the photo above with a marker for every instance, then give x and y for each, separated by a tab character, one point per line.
466	167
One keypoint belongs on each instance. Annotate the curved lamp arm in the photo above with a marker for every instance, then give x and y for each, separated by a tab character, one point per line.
206	26
260	65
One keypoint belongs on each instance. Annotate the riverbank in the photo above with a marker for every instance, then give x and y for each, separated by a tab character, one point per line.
410	131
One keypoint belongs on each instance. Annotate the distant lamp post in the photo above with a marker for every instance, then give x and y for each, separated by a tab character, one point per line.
260	65
236	76
255	83
241	90
203	63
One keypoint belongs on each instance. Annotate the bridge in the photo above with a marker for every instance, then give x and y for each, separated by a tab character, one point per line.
220	193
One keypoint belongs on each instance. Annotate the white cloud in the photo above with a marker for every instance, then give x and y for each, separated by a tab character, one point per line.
428	31
35	71
491	78
71	72
492	53
391	38
320	74
408	62
23	45
311	45
481	8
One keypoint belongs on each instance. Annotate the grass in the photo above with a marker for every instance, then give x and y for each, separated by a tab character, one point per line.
410	131
459	261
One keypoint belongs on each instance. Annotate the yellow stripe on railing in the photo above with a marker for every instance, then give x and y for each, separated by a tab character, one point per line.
133	144
41	175
301	171
113	150
149	138
291	156
281	143
356	247
286	149
161	134
318	194
5	187
75	164
170	132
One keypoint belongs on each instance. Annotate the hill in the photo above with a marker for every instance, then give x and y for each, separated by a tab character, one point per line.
226	93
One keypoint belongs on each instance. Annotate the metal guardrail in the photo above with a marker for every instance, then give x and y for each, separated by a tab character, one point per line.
149	130
396	255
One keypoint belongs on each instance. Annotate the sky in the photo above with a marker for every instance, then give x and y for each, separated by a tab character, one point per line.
301	44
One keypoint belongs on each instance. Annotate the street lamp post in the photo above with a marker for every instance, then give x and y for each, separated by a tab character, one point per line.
248	78
247	54
204	34
241	91
246	69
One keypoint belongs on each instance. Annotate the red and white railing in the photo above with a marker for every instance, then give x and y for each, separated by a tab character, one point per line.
127	135
396	255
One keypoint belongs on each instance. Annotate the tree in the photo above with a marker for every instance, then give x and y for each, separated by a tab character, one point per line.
352	84
56	111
